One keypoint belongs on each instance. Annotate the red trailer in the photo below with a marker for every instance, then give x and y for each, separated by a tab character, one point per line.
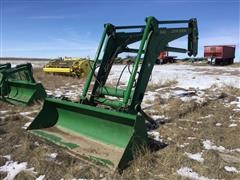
164	58
220	54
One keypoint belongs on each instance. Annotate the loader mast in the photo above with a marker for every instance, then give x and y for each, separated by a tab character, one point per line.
153	38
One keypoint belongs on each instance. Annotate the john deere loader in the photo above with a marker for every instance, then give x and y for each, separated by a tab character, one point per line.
78	67
5	66
17	85
100	128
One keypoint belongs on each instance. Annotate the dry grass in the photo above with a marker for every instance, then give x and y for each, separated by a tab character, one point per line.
161	84
235	65
53	82
189	122
36	153
143	163
231	91
203	63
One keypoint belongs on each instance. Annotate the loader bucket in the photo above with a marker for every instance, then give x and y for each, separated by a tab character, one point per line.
104	137
23	92
2	68
5	66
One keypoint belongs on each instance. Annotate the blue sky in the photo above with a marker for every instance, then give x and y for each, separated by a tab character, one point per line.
52	28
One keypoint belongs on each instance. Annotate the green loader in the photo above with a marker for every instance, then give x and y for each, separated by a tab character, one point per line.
18	86
107	126
5	66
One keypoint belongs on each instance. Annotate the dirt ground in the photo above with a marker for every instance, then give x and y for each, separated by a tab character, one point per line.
201	138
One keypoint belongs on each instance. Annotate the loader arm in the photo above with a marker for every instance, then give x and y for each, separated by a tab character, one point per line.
153	38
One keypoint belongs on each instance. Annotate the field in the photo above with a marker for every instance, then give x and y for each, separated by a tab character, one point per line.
197	109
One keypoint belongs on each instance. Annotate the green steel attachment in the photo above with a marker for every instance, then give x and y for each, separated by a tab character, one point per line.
106	137
3	67
17	85
107	130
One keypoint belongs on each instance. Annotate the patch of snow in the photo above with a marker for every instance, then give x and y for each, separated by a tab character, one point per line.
29	118
36	143
232	125
74	86
165	95
41	177
218	124
226	105
180	127
183	145
156	135
53	155
35	64
184	94
231	169
49	92
159	117
8	157
13	168
3	112
64	91
26	125
210	146
70	93
196	157
18	145
191	138
58	93
184	75
208	116
180	92
235	150
26	113
150	95
237	103
189	173
190	98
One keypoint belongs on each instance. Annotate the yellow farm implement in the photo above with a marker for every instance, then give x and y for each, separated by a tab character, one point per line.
69	66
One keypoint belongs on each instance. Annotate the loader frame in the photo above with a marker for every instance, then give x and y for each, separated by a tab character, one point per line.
153	39
101	129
